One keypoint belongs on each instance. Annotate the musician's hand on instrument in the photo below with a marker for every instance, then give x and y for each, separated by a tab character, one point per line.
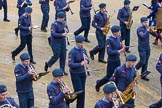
120	93
65	90
103	29
126	22
67	5
30	72
30	28
84	62
121	50
64	34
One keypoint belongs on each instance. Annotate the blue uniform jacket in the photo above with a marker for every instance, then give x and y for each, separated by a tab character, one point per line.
11	101
113	45
123	15
44	1
143	36
57	28
85	8
99	20
103	104
22	9
23	79
59	5
75	58
153	11
24	24
55	95
159	67
123	76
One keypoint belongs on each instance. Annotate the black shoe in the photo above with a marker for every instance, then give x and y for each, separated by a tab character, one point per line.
6	20
13	57
33	62
65	73
44	29
145	78
91	55
16	31
46	66
97	87
88	41
128	51
102	61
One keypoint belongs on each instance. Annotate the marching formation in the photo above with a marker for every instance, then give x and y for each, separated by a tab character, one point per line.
121	78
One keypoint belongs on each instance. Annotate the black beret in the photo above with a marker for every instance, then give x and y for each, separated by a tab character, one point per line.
79	38
144	19
3	88
126	2
24	56
102	5
115	28
28	9
61	15
57	72
131	57
109	88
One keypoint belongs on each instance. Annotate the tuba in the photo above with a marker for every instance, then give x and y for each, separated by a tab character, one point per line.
70	95
107	26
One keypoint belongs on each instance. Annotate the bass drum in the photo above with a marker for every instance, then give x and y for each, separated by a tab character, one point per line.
159	19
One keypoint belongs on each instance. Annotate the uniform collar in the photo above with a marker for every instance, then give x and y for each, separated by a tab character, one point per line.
105	100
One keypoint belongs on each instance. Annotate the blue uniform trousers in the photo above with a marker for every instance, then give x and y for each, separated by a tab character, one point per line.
101	39
144	53
59	51
26	100
5	9
125	35
85	21
110	70
78	81
45	10
130	102
25	39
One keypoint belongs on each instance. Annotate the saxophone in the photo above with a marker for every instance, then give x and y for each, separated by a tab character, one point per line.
130	21
128	93
107	26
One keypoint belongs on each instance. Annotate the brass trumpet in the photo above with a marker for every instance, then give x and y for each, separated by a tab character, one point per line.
69	95
36	75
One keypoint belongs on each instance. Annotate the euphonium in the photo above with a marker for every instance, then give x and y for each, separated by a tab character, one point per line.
69	95
107	26
118	96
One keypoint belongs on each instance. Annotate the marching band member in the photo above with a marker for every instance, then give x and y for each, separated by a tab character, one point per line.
25	26
159	69
45	11
155	5
99	22
77	61
85	17
143	47
4	5
56	93
21	5
124	75
123	16
59	32
24	89
106	102
4	100
60	6
114	48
